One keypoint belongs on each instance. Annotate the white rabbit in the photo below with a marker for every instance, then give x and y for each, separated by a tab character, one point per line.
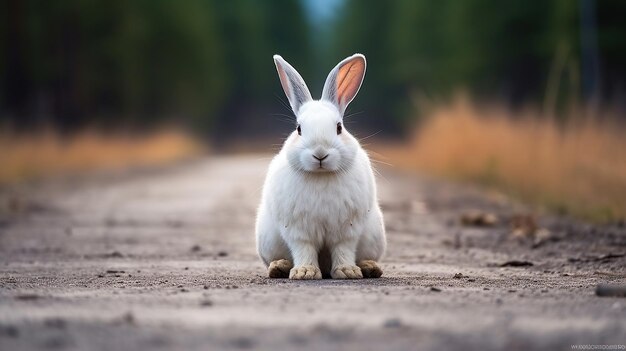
319	209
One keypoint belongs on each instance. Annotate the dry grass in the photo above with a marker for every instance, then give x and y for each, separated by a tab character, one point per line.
27	157
577	168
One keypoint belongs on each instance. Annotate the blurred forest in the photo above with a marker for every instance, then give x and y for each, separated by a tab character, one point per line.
207	64
116	63
557	52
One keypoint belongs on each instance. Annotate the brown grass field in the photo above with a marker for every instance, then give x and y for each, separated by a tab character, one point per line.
47	153
577	168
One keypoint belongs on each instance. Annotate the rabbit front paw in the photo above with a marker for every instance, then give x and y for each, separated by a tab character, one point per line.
346	272
305	272
279	269
370	269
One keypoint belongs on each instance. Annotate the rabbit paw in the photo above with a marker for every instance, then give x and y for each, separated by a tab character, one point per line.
305	272
370	269
346	272
279	269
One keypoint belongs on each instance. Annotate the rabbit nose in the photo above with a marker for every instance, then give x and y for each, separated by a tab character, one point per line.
320	158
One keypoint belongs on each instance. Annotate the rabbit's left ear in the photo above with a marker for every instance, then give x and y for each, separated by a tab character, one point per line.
344	81
294	86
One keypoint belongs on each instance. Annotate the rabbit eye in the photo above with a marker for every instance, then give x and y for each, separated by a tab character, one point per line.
339	129
299	130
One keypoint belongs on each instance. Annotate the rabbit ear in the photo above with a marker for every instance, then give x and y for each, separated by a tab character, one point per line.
294	86
344	81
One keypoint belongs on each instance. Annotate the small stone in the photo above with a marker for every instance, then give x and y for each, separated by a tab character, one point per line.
516	263
479	219
297	339
128	318
611	290
392	323
243	343
57	323
114	254
10	331
28	297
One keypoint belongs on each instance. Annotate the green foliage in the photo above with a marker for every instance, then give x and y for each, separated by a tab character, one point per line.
120	62
208	62
503	49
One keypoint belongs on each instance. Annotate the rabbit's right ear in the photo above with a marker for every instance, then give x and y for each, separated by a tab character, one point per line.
344	81
294	86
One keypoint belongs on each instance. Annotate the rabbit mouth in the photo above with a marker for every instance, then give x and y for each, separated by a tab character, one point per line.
321	168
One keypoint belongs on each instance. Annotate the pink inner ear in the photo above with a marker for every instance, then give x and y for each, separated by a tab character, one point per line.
283	80
349	80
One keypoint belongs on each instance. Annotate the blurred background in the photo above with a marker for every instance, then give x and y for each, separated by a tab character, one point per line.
526	97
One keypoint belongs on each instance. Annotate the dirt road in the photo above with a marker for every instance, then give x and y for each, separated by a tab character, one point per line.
166	260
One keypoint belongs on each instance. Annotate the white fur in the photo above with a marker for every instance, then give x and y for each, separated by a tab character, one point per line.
308	205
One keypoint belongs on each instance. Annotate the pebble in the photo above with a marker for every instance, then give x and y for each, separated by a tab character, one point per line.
392	323
606	290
